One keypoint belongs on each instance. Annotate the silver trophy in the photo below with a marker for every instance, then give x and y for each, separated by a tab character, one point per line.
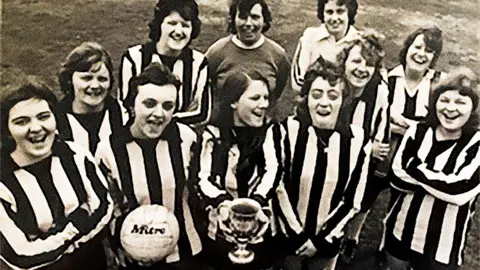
242	222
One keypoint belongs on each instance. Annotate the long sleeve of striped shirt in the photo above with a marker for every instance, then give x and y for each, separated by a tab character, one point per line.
51	208
194	97
315	200
457	187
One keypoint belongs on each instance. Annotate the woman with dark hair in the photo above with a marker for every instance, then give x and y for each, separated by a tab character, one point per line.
88	111
246	48
174	25
337	18
54	199
230	163
147	161
324	160
437	170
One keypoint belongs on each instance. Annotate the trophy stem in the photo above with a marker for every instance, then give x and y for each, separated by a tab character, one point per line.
241	255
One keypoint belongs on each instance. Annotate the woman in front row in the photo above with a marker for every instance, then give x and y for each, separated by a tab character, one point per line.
231	161
148	161
437	174
54	199
325	163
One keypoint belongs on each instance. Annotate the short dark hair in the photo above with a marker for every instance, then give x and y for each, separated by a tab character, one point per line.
467	86
352	7
154	73
244	7
81	59
25	89
433	40
188	10
371	45
235	85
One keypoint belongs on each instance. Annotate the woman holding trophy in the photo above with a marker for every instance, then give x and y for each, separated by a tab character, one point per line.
230	165
325	162
147	164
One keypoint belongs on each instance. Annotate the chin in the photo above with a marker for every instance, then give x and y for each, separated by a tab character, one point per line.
177	46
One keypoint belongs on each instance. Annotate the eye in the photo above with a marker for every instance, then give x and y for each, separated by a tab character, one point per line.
150	103
186	25
444	100
168	105
460	102
329	12
333	95
340	11
429	50
86	77
44	116
22	121
255	17
173	23
255	97
102	79
316	94
357	60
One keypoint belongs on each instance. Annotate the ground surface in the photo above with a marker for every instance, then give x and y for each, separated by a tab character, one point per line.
36	35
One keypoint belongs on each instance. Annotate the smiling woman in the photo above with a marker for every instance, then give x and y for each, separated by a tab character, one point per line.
88	111
55	202
174	25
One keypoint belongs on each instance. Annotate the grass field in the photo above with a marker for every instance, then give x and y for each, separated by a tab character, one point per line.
36	35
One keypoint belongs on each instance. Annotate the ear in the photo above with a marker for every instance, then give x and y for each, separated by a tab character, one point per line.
234	105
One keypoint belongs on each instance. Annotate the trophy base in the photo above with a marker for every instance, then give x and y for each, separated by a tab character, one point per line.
241	256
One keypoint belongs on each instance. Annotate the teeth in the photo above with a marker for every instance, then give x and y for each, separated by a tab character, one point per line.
37	139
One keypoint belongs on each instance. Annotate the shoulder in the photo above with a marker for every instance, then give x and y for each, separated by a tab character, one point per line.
218	46
134	52
186	131
197	55
211	131
274	46
311	34
396	72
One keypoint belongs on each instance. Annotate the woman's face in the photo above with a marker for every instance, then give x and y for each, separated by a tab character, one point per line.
324	102
32	126
419	57
176	32
357	71
336	18
91	87
249	26
154	107
453	110
251	108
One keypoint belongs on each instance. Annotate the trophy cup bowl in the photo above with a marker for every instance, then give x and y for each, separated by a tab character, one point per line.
243	222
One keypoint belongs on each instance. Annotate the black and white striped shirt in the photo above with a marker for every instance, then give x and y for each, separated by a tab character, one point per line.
89	132
440	181
218	173
191	68
323	179
372	109
155	172
51	208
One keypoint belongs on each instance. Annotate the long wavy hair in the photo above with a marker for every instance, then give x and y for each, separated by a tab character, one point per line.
433	39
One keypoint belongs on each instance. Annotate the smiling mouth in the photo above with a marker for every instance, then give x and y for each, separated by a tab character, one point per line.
451	117
323	113
419	61
360	75
155	123
95	93
37	139
259	114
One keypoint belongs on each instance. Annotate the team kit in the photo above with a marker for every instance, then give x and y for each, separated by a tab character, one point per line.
190	164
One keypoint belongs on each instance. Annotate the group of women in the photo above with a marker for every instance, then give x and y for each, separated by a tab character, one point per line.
190	131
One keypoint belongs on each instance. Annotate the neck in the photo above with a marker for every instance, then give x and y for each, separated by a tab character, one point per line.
79	107
163	49
444	134
356	91
23	160
340	35
413	75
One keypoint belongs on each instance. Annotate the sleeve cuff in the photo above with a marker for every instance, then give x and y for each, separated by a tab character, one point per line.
218	200
260	199
325	248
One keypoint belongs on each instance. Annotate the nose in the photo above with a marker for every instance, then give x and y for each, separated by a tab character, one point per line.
450	107
248	21
323	101
35	126
158	111
178	28
94	83
263	103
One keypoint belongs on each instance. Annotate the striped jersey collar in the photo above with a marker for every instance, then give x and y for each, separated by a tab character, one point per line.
399	71
322	33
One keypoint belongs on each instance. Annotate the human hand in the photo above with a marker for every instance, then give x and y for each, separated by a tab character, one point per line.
307	249
380	150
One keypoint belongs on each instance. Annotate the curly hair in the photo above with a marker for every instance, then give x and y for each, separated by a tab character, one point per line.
371	46
244	7
188	10
27	88
352	7
155	73
433	40
81	59
466	82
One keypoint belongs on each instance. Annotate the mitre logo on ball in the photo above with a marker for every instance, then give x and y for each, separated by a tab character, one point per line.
149	233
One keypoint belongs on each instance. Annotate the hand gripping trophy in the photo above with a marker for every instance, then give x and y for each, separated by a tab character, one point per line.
243	222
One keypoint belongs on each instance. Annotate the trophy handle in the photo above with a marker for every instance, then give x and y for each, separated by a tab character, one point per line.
263	221
223	217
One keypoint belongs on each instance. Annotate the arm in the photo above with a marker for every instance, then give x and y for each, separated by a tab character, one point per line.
404	182
199	110
458	187
18	250
207	185
273	165
127	69
351	203
281	76
301	61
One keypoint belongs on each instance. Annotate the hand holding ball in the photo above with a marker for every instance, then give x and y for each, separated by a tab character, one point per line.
149	233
